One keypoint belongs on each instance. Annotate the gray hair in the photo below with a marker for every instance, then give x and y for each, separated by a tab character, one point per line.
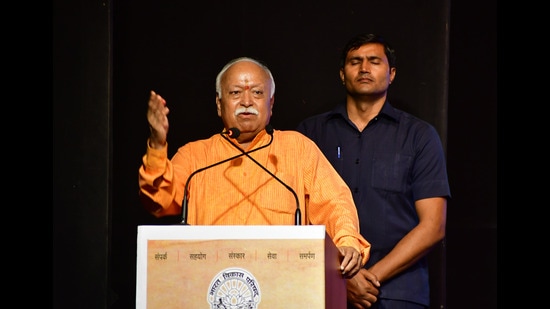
232	62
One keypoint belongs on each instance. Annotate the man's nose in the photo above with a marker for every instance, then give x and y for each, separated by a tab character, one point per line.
365	67
247	97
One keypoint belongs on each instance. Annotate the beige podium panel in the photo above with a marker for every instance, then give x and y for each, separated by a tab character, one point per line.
237	267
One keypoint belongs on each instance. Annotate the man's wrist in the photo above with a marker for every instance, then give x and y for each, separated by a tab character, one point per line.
155	145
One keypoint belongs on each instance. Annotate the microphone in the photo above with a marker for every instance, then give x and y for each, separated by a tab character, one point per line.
232	132
269	129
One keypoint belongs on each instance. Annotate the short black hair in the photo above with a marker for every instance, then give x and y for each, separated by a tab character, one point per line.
365	38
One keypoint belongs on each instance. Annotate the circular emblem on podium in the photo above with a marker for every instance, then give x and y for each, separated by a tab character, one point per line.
234	288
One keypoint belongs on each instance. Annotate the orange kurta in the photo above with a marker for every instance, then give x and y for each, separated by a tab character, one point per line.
239	192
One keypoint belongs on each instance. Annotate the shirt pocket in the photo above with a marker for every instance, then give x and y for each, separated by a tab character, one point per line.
390	171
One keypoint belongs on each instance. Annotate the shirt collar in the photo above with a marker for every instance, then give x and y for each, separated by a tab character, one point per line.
387	111
260	139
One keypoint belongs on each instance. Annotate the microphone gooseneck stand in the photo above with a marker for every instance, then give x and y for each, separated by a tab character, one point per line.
233	132
269	129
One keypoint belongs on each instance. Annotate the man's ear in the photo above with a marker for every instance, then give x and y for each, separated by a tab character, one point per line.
219	105
393	72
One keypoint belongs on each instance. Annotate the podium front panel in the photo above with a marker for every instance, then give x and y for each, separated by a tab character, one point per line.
237	267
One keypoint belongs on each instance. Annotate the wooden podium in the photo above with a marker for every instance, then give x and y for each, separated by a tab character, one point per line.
237	267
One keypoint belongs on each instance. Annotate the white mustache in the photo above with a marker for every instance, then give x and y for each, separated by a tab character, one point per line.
249	110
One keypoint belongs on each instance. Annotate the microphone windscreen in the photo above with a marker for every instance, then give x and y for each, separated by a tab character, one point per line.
269	129
233	132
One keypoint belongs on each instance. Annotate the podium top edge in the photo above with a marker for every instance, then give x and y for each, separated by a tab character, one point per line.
198	232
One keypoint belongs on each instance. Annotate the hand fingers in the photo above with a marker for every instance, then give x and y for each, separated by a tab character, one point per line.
351	262
157	117
157	109
360	291
372	278
156	99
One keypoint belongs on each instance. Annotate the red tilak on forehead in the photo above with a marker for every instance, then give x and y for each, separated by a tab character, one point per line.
246	87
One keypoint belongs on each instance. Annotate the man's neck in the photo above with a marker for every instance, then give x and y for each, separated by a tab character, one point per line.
361	112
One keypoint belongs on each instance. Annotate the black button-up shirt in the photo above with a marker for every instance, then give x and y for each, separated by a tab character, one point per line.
396	160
